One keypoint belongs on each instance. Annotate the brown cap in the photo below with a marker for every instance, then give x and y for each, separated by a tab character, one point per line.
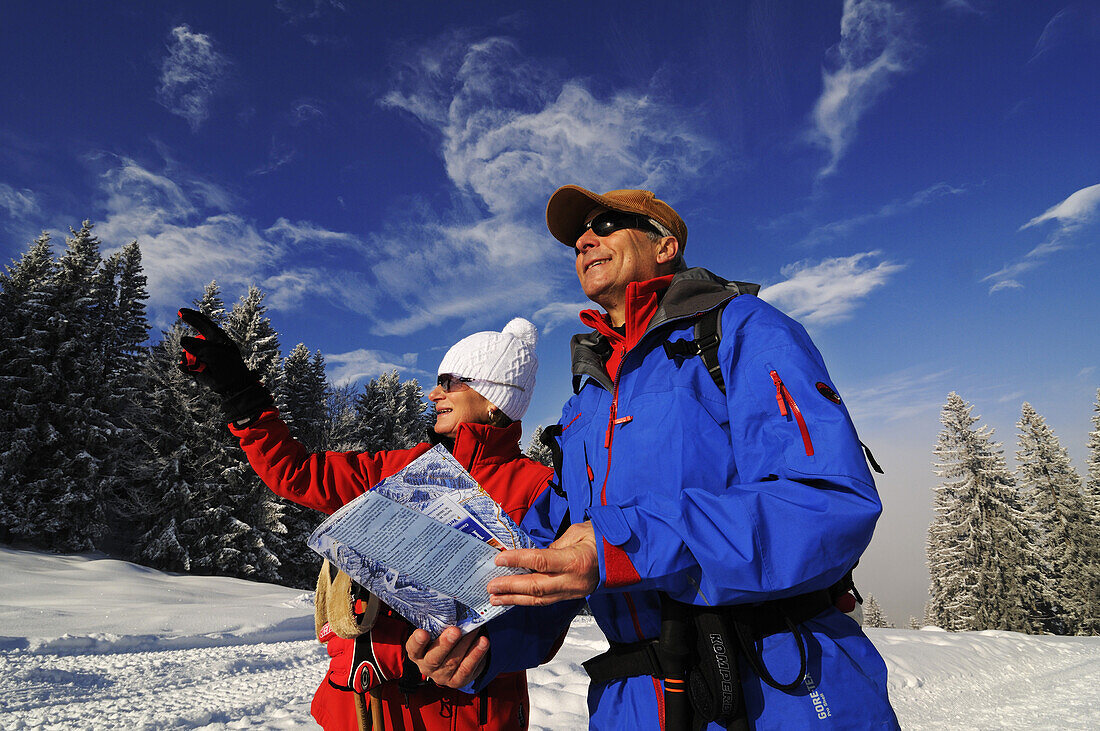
571	204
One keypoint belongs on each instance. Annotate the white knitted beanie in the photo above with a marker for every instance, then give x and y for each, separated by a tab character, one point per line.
501	364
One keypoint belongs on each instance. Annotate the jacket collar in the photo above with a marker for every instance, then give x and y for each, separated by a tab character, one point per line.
692	291
482	443
642	299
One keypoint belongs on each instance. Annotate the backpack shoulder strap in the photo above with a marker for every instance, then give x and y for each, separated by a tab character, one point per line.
708	336
549	437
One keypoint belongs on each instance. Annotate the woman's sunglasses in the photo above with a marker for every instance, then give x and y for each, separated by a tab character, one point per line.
449	382
609	222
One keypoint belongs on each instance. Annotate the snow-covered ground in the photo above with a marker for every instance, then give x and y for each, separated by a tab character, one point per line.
93	643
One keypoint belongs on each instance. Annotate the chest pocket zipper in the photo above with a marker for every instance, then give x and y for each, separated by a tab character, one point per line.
789	409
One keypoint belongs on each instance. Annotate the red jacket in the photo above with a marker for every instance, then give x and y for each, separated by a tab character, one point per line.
327	481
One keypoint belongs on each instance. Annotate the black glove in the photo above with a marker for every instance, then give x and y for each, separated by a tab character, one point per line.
215	361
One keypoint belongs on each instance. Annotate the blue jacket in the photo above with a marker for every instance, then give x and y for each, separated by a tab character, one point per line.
758	494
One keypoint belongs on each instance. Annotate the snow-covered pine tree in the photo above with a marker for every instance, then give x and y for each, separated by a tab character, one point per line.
133	328
258	510
305	396
414	415
342	426
380	410
873	616
980	558
249	326
27	296
914	623
194	490
211	303
928	619
176	503
71	465
1051	490
127	394
189	524
1091	621
538	451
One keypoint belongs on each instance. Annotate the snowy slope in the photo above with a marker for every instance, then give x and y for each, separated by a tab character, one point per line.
93	643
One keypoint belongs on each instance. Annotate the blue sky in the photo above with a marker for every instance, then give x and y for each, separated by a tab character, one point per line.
917	182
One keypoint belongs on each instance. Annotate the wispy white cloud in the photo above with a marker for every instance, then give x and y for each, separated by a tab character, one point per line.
1078	210
828	291
306	232
431	272
839	229
899	396
549	317
280	153
509	133
18	203
135	191
874	47
1077	22
187	241
304	111
289	290
359	365
190	75
1006	278
1008	398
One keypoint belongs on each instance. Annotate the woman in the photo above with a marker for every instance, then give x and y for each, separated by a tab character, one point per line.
484	387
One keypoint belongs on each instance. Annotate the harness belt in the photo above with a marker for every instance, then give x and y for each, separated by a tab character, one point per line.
696	656
630	659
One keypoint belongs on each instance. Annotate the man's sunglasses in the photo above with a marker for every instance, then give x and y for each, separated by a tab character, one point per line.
449	382
609	222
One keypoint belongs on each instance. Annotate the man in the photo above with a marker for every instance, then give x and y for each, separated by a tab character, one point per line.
716	500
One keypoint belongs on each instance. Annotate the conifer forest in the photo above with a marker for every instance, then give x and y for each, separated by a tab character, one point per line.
105	445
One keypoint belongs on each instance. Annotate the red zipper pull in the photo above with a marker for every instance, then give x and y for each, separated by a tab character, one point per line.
783	397
779	392
614	423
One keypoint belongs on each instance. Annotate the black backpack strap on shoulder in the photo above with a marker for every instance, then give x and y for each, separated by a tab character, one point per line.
708	336
549	437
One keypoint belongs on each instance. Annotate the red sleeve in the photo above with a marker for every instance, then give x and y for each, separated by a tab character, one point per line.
323	481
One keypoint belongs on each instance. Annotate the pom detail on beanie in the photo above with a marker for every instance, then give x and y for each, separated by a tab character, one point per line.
524	330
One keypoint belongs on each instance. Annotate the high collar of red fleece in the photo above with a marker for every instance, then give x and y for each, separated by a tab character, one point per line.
641	303
498	443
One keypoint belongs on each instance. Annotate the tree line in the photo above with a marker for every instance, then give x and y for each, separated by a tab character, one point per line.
105	445
1013	550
